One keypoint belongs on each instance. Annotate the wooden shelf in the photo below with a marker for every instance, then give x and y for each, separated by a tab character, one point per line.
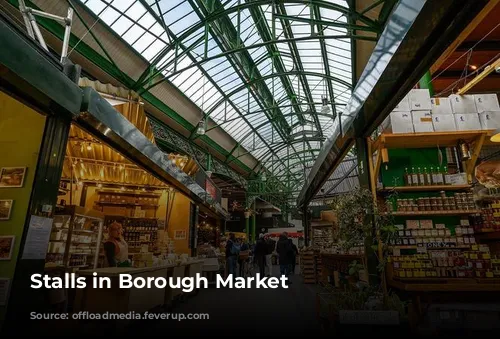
128	193
426	140
124	204
445	285
433	213
425	188
414	247
488	236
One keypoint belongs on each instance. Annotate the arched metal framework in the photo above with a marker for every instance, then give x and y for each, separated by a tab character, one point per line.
271	73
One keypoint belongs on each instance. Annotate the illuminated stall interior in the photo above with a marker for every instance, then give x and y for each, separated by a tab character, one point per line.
99	186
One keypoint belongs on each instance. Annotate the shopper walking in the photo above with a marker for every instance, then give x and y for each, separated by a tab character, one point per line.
283	248
260	254
270	246
232	252
243	256
294	251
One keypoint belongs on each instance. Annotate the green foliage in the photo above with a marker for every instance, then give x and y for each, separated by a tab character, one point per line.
354	268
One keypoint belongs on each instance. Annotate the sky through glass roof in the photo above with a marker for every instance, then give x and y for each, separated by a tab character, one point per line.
272	74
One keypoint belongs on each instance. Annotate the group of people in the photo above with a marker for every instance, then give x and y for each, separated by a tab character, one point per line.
237	251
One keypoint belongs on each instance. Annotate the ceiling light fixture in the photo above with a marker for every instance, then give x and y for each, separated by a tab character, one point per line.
325	108
201	128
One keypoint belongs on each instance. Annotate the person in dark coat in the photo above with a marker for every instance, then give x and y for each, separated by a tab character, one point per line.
293	256
283	249
260	254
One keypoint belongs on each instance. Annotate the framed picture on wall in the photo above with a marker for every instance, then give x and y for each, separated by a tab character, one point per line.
5	209
12	176
180	235
6	246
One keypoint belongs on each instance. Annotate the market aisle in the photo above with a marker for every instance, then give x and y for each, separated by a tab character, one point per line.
253	311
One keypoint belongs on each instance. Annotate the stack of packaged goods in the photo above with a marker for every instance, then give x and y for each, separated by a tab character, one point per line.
446	263
419	113
442	202
489	219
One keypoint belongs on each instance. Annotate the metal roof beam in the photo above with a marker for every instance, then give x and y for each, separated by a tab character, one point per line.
155	72
153	13
415	35
326	62
227	38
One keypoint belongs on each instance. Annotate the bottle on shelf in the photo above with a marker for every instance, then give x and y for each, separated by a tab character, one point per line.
428	177
408	181
432	175
421	177
414	177
444	174
438	177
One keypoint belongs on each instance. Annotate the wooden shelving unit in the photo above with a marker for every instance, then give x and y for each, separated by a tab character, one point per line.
424	140
433	188
307	266
433	213
445	285
427	140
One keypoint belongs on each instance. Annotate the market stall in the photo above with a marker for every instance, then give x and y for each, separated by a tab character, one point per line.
442	201
102	190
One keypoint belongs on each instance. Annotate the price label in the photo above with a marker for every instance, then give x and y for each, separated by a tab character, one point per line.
421	249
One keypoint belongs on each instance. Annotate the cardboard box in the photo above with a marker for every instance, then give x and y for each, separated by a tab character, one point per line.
403	106
422	121
444	122
441	106
490	119
462	104
467	122
486	102
420	100
398	122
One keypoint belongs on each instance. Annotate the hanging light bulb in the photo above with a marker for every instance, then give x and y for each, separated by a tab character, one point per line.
201	128
89	147
325	108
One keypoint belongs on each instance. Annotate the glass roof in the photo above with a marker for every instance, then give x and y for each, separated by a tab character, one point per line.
272	74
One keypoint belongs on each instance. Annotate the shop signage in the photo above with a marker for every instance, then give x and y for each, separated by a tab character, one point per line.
37	240
210	188
369	317
438	244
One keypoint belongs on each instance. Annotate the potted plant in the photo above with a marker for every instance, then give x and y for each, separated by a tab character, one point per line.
361	223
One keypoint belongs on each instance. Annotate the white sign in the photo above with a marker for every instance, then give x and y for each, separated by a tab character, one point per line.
38	237
369	317
4	291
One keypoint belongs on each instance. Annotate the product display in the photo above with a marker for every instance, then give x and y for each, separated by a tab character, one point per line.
474	263
74	239
457	202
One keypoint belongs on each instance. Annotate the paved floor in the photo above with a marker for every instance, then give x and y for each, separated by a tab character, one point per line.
247	311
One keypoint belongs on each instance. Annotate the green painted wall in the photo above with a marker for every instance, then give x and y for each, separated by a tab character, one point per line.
21	132
393	172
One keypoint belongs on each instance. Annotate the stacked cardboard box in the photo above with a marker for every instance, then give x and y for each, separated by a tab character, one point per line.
489	110
419	113
412	114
